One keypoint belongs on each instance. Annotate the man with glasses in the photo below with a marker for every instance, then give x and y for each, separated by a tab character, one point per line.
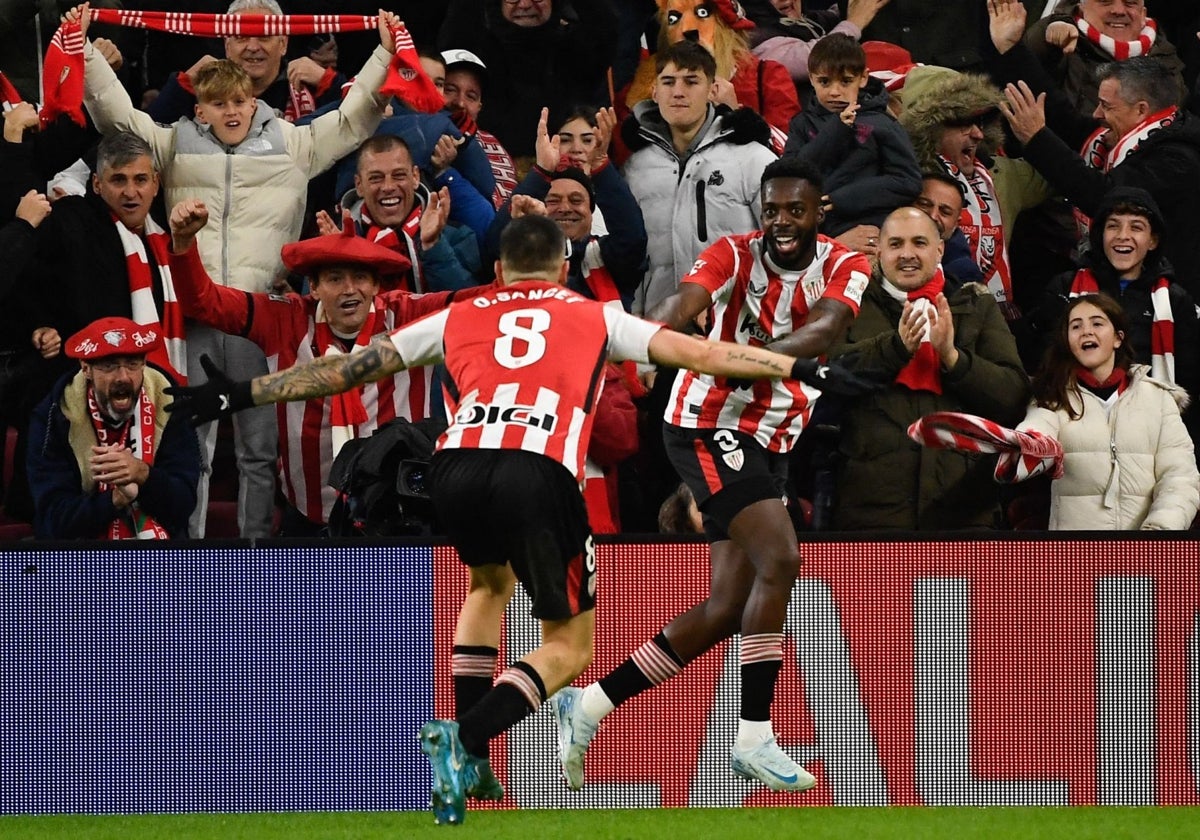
106	460
955	125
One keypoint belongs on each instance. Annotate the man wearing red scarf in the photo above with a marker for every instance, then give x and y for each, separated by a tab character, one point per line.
946	352
106	461
344	311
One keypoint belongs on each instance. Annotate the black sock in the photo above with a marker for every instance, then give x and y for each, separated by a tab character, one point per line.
518	692
472	667
758	688
653	663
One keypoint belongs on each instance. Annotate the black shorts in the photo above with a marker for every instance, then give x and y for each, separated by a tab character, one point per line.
509	506
726	471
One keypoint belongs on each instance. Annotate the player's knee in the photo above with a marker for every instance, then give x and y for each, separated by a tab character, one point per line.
779	566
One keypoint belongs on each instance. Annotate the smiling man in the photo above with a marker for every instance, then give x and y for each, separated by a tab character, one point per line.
945	351
793	290
106	460
344	311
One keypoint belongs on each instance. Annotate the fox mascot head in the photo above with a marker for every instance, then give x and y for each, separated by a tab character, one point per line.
716	24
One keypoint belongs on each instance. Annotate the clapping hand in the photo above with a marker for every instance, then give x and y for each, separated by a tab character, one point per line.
219	397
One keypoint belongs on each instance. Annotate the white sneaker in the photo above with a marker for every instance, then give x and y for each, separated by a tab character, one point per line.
770	765
575	731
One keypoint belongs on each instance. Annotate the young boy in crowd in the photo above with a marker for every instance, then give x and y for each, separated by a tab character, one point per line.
251	168
845	130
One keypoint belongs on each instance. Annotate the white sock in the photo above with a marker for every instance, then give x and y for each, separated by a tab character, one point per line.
594	702
753	733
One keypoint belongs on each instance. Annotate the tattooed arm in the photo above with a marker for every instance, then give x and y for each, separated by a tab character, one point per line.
221	396
329	374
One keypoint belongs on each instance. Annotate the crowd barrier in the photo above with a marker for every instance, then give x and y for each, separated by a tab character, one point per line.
1039	670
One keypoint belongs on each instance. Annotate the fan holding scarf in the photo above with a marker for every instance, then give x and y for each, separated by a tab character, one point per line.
946	352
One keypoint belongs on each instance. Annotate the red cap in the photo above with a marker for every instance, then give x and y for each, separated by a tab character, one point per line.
114	337
345	248
733	15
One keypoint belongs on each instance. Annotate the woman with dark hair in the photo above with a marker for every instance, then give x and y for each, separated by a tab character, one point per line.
1128	462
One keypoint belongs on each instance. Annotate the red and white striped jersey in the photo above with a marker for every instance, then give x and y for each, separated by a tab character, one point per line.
755	303
526	365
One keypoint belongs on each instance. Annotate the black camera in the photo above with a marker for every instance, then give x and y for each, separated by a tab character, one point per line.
410	479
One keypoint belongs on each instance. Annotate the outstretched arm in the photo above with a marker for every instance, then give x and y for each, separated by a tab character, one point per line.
221	396
739	361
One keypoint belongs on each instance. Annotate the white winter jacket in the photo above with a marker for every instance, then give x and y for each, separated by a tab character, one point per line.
1134	469
255	192
688	204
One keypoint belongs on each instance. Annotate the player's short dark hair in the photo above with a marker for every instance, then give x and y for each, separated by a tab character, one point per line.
686	55
532	245
792	167
836	54
378	143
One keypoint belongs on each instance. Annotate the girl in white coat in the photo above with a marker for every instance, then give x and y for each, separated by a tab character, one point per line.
1128	461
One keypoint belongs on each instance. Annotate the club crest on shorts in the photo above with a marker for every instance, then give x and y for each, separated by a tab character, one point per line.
735	459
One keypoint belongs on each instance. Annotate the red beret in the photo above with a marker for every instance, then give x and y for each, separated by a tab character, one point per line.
345	248
733	15
114	337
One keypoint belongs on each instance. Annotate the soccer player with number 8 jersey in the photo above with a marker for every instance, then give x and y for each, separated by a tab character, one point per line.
525	364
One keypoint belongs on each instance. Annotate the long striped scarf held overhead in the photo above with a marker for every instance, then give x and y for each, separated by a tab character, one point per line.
405	77
1120	50
1023	455
1162	327
172	354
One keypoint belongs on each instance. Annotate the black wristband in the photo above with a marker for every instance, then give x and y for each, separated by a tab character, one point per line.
240	396
802	368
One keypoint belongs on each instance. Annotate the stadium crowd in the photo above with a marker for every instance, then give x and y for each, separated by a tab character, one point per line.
287	193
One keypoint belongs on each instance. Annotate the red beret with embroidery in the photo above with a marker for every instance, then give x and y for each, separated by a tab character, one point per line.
114	337
344	248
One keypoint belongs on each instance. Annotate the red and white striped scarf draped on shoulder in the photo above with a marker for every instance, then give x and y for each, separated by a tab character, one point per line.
984	228
171	355
1162	327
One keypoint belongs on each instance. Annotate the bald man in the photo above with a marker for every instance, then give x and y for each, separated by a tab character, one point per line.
947	351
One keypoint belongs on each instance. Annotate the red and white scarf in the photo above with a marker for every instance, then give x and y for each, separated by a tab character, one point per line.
140	440
346	410
62	75
1023	455
924	370
984	229
388	238
1162	327
1097	155
172	354
405	78
1119	50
